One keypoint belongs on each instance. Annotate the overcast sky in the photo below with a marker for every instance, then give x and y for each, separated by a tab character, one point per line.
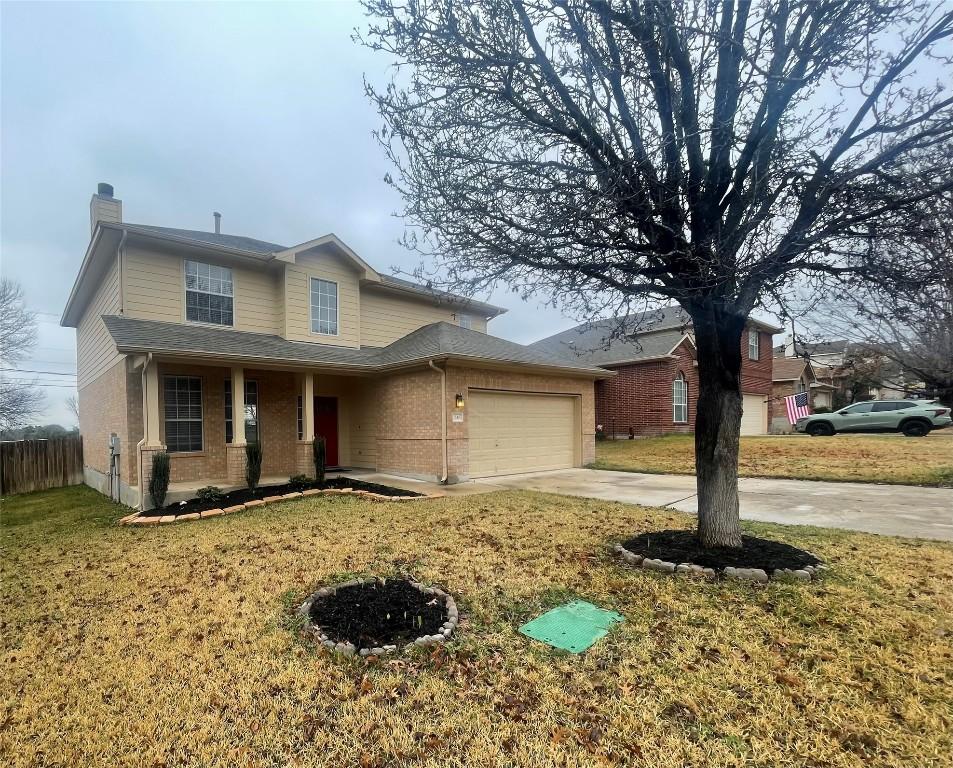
254	110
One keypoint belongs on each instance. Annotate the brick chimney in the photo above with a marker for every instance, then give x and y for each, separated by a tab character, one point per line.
104	207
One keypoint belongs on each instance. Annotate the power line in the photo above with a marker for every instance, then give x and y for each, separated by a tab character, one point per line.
41	384
32	370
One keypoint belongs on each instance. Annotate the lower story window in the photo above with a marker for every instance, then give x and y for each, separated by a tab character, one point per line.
251	411
680	399
182	397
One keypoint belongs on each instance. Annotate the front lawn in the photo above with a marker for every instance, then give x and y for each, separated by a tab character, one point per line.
857	458
174	645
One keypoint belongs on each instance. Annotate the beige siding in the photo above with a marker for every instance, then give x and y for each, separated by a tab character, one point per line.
297	299
155	290
95	349
385	317
153	287
257	300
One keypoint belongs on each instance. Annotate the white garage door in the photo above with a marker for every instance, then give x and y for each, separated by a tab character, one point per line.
754	417
514	432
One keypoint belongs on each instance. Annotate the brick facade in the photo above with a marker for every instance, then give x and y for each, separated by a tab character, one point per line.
640	395
402	411
112	402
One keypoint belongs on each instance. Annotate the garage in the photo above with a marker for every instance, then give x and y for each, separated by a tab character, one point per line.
754	417
513	432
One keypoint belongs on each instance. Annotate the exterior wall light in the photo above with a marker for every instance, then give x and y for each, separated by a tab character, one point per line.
459	402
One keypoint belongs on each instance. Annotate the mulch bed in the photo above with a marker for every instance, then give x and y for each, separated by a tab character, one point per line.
684	547
243	495
378	613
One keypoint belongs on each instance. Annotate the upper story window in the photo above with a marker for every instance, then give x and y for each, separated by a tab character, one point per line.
680	399
182	396
754	348
324	307
466	321
209	294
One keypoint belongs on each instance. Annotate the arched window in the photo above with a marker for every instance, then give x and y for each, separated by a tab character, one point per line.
680	399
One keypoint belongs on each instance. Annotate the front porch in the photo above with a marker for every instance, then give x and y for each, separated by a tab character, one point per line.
205	415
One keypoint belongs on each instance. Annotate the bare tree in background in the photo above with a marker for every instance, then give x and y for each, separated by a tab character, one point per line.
72	402
706	152
20	400
912	328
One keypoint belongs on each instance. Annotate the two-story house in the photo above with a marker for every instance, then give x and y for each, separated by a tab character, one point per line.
197	342
655	389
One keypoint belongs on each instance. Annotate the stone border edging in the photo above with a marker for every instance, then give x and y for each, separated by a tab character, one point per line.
349	649
136	519
759	575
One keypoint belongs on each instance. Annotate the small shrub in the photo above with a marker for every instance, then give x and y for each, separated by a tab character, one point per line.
210	493
159	482
253	464
299	482
600	432
822	409
320	459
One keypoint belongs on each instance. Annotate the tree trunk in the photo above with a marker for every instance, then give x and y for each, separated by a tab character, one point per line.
718	337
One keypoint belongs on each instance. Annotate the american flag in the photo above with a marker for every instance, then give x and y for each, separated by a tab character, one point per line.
797	406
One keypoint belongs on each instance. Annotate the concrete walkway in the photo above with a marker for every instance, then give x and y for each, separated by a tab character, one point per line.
897	510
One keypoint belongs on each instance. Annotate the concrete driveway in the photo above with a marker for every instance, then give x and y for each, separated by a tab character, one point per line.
897	510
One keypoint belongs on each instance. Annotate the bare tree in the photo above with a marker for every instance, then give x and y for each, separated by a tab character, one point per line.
73	404
701	151
912	329
20	400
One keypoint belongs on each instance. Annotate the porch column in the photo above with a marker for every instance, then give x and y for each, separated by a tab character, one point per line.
235	450
151	442
238	406
150	404
304	458
307	407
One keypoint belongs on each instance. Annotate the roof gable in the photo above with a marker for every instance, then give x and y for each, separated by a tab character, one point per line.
333	243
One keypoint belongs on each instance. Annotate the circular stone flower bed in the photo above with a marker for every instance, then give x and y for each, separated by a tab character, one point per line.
679	551
377	616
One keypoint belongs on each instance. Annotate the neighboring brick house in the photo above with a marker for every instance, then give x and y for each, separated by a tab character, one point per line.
793	375
179	332
655	389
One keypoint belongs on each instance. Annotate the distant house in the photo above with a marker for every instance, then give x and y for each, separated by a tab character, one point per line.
791	376
856	371
655	389
198	343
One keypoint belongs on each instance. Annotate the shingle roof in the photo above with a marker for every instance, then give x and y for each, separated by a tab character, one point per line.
788	368
437	340
656	333
237	242
659	331
825	347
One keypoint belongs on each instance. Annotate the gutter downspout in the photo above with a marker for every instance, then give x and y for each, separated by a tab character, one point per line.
119	255
443	417
145	428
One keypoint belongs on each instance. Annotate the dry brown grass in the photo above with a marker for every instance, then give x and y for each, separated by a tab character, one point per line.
173	645
857	458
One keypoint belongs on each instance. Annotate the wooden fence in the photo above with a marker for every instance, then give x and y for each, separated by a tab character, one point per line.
32	465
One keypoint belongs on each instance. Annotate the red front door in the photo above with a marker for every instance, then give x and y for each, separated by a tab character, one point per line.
326	426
